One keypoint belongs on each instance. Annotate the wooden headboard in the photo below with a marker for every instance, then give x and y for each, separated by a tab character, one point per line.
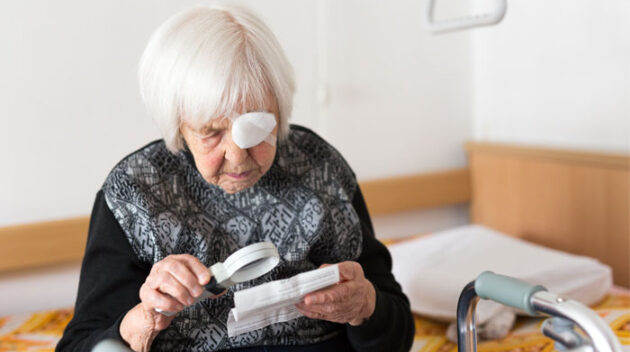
577	202
573	201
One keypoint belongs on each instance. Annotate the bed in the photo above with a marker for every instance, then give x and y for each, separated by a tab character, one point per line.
569	200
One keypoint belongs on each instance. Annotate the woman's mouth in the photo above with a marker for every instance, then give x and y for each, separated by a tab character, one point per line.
239	176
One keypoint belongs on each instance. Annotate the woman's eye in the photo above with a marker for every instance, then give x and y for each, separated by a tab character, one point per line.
211	138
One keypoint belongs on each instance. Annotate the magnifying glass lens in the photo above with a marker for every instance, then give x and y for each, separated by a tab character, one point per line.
252	264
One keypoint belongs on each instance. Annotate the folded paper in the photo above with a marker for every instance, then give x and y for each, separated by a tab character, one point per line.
274	302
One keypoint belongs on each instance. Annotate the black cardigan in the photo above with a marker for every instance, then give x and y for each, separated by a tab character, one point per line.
111	278
112	273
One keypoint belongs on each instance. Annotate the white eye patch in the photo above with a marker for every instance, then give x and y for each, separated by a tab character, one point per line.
253	128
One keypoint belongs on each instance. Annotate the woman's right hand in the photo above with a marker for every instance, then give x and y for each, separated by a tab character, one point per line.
173	283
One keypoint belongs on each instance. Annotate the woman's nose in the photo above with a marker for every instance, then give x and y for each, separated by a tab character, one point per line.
234	153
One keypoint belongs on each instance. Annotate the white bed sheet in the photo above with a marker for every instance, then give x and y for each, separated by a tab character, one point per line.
433	269
41	289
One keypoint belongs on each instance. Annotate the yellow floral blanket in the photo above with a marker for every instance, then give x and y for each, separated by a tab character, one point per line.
33	332
41	331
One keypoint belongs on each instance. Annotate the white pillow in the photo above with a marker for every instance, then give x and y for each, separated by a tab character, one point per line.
434	269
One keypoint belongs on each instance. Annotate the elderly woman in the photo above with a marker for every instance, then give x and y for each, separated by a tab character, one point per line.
228	172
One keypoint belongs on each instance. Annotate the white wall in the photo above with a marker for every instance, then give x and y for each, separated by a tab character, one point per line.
555	73
398	99
395	99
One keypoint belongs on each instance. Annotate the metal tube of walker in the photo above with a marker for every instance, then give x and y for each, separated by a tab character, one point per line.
533	299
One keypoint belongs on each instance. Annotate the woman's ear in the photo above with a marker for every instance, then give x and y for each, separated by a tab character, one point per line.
183	141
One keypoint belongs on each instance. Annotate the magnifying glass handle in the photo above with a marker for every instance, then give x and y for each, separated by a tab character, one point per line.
214	287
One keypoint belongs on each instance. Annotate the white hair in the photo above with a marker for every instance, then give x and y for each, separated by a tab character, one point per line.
207	62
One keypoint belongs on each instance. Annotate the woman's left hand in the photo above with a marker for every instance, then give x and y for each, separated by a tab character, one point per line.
350	301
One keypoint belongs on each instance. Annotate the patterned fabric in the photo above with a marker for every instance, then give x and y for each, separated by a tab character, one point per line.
303	204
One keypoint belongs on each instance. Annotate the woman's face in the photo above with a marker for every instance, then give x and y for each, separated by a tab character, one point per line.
223	163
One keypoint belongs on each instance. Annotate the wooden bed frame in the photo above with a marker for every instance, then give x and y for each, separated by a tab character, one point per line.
577	202
573	201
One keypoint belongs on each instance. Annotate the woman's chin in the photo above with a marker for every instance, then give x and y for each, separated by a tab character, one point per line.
235	186
232	189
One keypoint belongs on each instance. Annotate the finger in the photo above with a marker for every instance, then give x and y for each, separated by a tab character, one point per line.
310	314
182	273
196	267
321	308
153	298
337	293
164	282
319	297
316	308
349	271
330	309
334	314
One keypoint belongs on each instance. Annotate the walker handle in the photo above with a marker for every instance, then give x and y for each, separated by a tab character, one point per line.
507	291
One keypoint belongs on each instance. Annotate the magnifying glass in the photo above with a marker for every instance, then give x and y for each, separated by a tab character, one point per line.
243	265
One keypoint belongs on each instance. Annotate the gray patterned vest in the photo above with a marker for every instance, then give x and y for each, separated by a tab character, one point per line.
303	204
